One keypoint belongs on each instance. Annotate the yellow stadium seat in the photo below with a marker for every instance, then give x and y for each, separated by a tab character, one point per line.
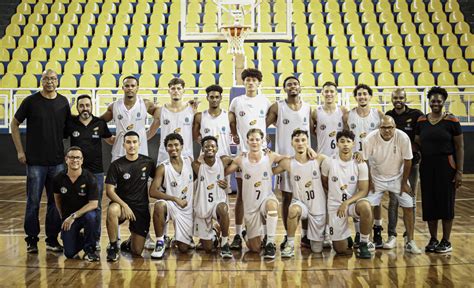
435	52
368	17
92	7
430	40
315	6
49	30
18	19
107	81
23	8
320	40
130	67
31	30
303	53
120	29
41	8
435	5
401	65
375	40
426	28
458	108
100	41
70	17
113	54
139	19
170	53
445	79
68	81
9	81
149	66
13	30
84	29
438	17
91	67
2	69
66	30
325	77
135	41
453	52
417	5
125	7
305	66
443	28
339	40
412	39
76	53
302	40
406	79
53	18
462	28
469	52
386	79
156	29
357	40
15	67
421	65
440	65
426	79
378	52
363	65
331	6
340	52
307	80
372	28
416	52
151	53
20	54
389	28
54	65
359	52
62	41
88	81
346	79
394	40
122	18
95	53
456	17
35	18
88	18
465	78
408	28
138	29
404	16
29	81
449	39
132	54
386	17
148	81
451	6
111	66
169	66
58	7
72	67
105	18
8	42
353	27
324	66
333	17
335	28
34	67
460	65
382	65
366	78
4	55
383	5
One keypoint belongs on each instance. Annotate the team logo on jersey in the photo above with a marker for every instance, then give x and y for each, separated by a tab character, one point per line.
247	176
339	124
265	175
130	127
177	130
96	128
362	135
185	190
241	113
186	120
120	117
308	184
138	114
257	184
315	173
297	178
202	178
332	134
190	176
262	112
210	186
372	125
174	184
353	126
322	127
143	176
286	121
334	179
223	129
82	193
409	120
76	134
207	130
304	119
343	187
218	176
144	168
166	121
253	122
126	176
352	178
63	190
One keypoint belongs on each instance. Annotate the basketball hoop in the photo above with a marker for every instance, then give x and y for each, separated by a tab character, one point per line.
235	35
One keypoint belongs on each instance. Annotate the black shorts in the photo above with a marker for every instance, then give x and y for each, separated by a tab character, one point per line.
141	225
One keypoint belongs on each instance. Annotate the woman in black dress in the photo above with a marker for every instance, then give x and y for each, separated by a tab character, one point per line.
440	139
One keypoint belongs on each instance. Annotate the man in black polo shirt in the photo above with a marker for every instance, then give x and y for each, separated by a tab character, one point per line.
126	186
86	132
405	120
75	193
46	113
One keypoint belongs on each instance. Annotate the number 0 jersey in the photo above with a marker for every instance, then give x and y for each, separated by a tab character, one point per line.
307	186
343	177
256	182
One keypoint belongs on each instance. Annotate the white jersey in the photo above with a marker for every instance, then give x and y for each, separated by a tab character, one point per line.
256	182
250	112
129	120
176	122
307	185
288	121
208	193
361	127
218	127
327	127
343	177
179	185
386	158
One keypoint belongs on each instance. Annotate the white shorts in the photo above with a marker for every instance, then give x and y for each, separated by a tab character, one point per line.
283	182
254	221
182	221
316	223
394	186
203	226
339	227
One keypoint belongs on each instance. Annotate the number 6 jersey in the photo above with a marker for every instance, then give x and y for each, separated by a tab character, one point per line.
256	182
342	179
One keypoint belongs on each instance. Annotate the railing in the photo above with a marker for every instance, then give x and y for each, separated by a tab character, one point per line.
10	99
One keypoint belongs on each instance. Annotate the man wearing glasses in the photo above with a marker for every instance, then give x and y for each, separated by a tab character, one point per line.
46	113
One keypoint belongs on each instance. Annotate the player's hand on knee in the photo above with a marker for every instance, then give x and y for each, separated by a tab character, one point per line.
223	184
406	189
128	213
341	212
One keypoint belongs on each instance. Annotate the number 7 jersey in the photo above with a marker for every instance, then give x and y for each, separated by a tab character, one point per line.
343	177
256	182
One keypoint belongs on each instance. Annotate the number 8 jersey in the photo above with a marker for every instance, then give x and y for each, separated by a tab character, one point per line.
307	186
343	177
256	182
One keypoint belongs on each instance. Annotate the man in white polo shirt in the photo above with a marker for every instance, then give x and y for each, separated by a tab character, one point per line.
388	152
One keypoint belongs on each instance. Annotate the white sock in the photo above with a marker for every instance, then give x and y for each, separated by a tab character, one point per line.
290	241
224	240
378	222
364	238
272	222
162	239
238	230
357	226
304	232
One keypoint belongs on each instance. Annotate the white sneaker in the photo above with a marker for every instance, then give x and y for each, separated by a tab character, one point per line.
391	243
371	246
149	243
412	248
288	251
159	250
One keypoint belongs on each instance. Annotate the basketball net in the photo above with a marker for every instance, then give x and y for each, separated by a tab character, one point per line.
235	35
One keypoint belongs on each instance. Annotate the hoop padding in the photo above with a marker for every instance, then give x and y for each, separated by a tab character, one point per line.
235	36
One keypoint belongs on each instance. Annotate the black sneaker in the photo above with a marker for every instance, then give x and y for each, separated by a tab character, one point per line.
270	250
357	240
305	242
444	246
378	241
283	244
32	247
54	246
431	247
112	253
126	246
91	257
236	243
264	242
350	242
225	251
363	251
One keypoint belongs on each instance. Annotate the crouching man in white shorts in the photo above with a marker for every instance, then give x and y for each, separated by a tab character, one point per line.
175	177
309	199
347	183
259	201
210	201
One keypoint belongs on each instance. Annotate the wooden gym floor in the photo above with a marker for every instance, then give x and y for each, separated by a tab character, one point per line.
388	268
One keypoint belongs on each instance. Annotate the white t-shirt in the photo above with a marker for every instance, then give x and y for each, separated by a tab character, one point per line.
218	127
343	177
256	182
327	127
250	112
288	121
386	157
208	193
180	185
362	126
307	185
